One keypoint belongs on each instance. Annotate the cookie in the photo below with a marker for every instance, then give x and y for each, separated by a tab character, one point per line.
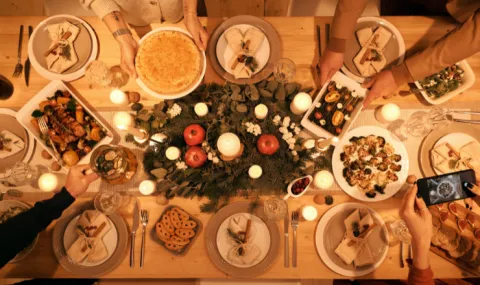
162	234
167	225
172	246
179	241
181	213
175	219
189	224
185	233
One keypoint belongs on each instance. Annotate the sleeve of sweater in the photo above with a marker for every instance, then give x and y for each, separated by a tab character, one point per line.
459	44
100	7
344	22
420	276
19	231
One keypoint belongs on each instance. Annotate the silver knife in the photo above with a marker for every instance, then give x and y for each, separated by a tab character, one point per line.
27	62
136	221
286	224
402	264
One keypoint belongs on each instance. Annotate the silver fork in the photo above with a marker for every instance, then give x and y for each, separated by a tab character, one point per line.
144	217
42	123
294	228
19	66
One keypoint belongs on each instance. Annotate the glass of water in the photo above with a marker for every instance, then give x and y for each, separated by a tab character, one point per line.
275	208
107	201
284	70
97	72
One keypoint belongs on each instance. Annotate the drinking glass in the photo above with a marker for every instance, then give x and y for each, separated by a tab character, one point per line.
397	230
284	70
275	208
107	201
419	124
97	72
21	173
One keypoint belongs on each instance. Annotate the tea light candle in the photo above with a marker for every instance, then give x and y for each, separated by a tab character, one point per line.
388	113
255	171
229	144
124	121
301	103
173	153
309	213
147	187
201	109
119	97
48	182
309	144
261	111
323	179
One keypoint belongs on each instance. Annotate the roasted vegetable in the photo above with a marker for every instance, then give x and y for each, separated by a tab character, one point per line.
95	134
70	157
332	96
337	118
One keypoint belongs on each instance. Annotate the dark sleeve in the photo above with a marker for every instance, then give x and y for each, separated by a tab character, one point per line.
19	231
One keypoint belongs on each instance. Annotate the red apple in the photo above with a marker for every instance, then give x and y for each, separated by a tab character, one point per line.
195	157
268	144
194	134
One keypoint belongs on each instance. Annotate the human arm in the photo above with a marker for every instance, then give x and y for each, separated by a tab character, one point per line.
194	27
20	231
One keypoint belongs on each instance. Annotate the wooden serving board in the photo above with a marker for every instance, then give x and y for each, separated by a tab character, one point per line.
467	271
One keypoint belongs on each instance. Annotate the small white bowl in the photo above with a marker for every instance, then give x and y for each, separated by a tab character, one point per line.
289	188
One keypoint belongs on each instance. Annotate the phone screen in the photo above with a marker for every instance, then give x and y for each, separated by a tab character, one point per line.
446	188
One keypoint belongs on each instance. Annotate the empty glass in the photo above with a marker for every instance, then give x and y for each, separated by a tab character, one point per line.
21	173
284	70
397	230
108	201
275	208
97	72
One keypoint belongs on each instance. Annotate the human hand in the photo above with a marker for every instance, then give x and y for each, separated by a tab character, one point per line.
128	51
380	85
77	182
198	32
330	63
419	224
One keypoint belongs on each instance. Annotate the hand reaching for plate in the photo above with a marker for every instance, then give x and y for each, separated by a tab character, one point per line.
77	182
128	51
198	32
380	85
329	64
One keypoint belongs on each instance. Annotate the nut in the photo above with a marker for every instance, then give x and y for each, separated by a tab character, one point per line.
46	155
133	97
55	166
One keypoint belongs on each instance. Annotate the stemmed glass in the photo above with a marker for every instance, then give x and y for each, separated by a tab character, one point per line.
108	201
21	173
421	123
397	230
284	70
275	208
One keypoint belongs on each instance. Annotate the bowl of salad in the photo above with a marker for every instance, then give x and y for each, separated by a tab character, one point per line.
442	86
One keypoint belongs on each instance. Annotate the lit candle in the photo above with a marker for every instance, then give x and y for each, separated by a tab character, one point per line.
309	144
119	97
261	111
323	179
201	109
229	144
255	171
48	182
124	121
173	153
388	113
309	213
147	187
301	103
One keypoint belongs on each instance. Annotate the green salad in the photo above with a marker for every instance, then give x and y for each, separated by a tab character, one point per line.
447	80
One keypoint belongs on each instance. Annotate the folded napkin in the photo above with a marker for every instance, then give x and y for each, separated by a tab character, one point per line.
249	254
445	160
64	56
11	144
371	60
238	223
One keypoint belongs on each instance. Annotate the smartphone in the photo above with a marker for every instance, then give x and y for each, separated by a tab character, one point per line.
447	187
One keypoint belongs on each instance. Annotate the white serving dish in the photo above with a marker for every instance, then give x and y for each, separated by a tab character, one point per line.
180	94
24	116
351	85
289	188
468	80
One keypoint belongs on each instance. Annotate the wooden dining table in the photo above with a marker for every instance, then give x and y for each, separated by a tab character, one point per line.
299	43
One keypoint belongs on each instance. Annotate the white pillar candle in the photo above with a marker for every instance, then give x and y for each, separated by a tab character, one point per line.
323	179
309	213
173	153
147	187
119	97
124	121
261	111
201	109
229	144
388	113
48	182
255	171
301	103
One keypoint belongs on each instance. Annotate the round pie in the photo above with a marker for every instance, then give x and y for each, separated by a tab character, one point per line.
168	62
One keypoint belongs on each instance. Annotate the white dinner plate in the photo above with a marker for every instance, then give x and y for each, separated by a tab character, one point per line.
225	53
260	235
391	188
330	232
457	140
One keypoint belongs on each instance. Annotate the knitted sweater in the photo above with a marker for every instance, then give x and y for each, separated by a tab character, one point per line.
138	12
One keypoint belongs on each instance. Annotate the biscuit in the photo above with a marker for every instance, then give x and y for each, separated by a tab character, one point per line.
175	219
162	234
189	224
172	246
181	213
167	225
185	233
179	241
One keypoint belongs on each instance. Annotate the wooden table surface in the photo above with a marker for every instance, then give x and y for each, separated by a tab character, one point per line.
298	43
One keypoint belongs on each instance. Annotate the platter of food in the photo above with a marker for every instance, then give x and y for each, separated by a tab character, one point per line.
335	108
9	209
169	64
377	44
88	243
451	149
351	239
442	86
176	230
15	142
61	47
72	126
244	49
240	242
370	164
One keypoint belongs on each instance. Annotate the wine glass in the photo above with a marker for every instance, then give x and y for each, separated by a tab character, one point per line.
284	70
21	173
275	208
97	72
397	230
107	201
